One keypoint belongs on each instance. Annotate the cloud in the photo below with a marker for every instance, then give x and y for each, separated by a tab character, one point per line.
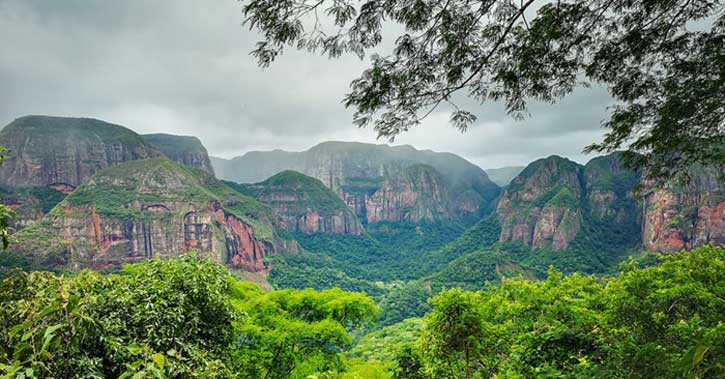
184	67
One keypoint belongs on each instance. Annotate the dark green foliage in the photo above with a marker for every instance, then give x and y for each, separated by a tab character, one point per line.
665	75
317	271
312	194
179	318
403	301
480	236
475	270
663	321
92	325
408	364
391	250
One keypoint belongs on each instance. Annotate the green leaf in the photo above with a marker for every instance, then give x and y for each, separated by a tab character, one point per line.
159	359
699	355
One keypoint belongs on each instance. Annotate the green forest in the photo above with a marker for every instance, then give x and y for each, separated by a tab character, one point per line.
275	193
188	317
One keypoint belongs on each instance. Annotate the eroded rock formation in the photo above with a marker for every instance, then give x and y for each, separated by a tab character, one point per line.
154	208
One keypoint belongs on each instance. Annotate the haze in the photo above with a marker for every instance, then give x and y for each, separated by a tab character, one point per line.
183	67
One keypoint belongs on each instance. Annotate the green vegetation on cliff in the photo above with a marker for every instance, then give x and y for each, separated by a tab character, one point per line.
185	150
310	191
119	192
56	130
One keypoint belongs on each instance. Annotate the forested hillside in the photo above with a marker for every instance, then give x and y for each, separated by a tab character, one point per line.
656	322
394	268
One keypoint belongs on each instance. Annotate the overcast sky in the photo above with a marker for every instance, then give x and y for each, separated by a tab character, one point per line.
183	67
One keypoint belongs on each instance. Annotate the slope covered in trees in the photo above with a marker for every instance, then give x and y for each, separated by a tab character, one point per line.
188	317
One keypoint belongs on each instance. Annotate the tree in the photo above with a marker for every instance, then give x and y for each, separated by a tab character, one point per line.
409	365
662	60
454	333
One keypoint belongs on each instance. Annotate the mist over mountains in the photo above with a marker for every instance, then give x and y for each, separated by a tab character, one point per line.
89	193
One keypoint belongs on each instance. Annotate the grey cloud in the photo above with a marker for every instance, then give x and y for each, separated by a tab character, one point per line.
184	67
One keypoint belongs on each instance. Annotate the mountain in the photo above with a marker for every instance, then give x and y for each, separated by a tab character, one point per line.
357	171
503	176
541	207
61	152
303	204
554	200
685	216
185	150
153	208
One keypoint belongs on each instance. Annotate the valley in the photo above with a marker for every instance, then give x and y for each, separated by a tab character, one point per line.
401	225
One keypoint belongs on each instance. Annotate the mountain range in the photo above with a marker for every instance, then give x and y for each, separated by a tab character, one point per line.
92	194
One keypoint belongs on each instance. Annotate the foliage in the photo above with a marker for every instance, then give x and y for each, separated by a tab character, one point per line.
384	343
168	318
6	213
665	75
404	300
178	318
657	322
293	333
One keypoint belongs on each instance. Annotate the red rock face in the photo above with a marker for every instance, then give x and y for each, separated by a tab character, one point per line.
674	222
244	251
98	242
299	215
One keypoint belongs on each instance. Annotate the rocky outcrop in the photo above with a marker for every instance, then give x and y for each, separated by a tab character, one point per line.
685	216
188	151
541	207
61	152
153	208
553	201
303	204
418	193
609	191
29	204
357	171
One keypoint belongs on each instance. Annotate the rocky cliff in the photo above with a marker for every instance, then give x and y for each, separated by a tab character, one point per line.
303	204
186	150
30	204
555	201
418	193
541	207
61	152
356	171
684	216
153	208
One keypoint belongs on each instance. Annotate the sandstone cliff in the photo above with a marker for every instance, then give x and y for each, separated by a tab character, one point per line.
153	208
61	152
356	171
541	207
418	193
185	150
684	216
555	201
303	204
